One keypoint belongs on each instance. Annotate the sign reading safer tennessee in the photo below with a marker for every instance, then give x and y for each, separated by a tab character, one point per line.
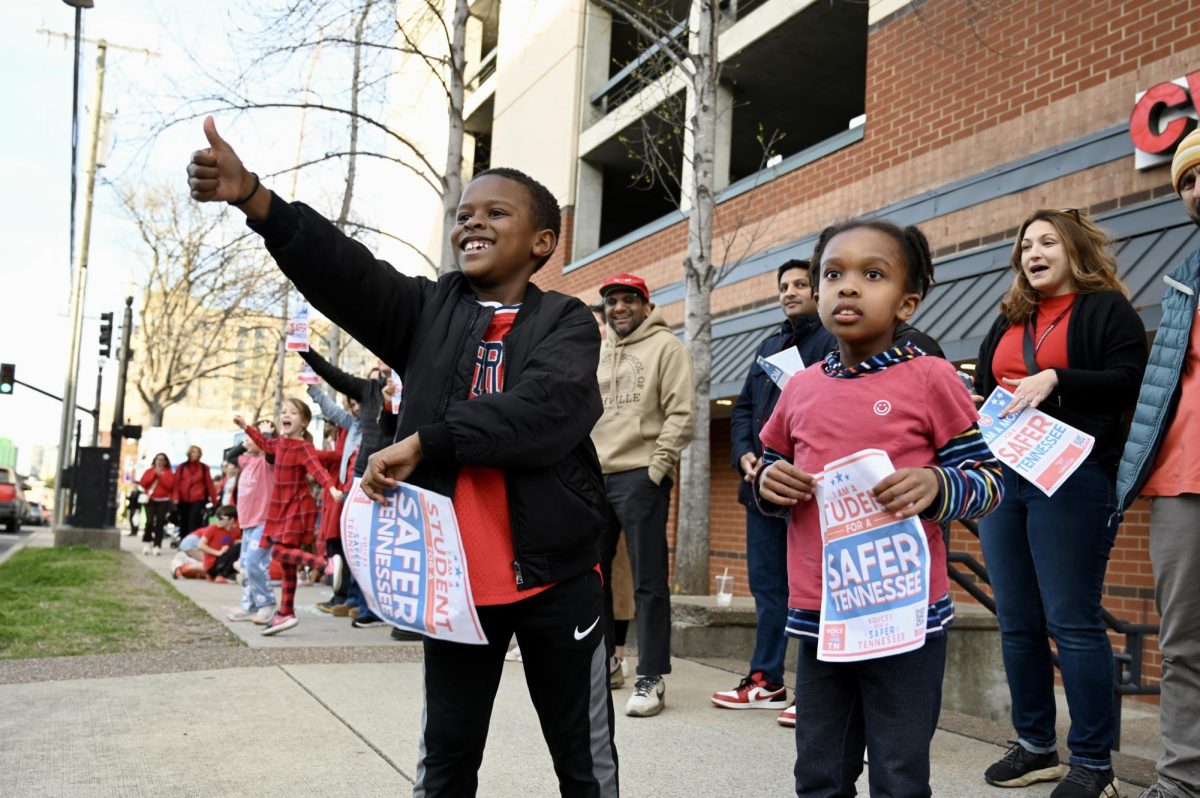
406	554
1039	447
876	576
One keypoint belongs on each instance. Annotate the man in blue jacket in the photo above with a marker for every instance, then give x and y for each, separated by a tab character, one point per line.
1162	461
766	537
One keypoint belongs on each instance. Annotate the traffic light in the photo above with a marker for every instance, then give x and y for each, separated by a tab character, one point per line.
106	320
8	376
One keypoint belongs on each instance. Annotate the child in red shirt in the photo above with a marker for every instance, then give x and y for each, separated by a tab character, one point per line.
292	512
220	542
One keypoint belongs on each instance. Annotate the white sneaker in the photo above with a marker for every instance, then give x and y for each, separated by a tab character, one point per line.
239	614
616	673
157	550
788	716
649	697
146	549
264	615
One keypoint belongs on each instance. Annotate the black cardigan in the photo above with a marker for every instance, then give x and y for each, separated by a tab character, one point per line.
1106	355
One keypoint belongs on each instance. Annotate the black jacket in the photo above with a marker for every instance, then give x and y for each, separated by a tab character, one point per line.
368	393
1106	355
760	393
536	430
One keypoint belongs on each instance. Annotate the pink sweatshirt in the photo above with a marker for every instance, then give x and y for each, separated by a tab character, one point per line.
254	490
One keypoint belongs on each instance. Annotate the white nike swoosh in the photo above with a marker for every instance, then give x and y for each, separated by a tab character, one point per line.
580	635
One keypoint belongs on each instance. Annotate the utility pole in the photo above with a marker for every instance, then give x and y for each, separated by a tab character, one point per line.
78	287
118	421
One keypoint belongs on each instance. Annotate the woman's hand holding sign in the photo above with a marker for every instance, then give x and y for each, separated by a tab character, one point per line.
390	466
784	484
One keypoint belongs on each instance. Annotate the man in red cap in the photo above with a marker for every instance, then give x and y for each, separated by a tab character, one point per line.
645	377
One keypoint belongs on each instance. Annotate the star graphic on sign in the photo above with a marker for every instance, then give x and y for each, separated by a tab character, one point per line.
839	477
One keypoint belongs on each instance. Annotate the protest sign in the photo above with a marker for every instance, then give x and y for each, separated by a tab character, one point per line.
875	593
308	376
397	391
407	557
782	366
1040	448
297	337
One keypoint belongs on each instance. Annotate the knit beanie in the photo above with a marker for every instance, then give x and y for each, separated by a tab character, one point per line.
1186	156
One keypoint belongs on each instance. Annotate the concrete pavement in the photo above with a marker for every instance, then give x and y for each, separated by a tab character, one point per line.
353	728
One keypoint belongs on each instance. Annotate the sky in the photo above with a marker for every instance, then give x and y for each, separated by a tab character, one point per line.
35	164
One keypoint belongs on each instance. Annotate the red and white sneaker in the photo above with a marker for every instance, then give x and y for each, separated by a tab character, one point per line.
788	716
280	623
753	692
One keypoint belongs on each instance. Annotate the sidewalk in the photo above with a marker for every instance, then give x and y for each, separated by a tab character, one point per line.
290	729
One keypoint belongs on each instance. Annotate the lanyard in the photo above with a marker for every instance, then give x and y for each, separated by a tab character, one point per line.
1029	349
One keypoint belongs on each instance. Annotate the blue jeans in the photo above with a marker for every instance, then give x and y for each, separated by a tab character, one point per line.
256	565
1046	558
766	565
888	705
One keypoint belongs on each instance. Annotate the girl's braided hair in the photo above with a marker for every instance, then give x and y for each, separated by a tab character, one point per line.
912	243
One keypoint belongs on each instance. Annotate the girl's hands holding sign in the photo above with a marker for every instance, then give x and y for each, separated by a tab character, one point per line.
908	491
784	484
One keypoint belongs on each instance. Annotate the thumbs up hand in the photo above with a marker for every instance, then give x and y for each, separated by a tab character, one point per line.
216	174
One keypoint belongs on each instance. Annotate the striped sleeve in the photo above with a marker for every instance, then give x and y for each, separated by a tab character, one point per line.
969	480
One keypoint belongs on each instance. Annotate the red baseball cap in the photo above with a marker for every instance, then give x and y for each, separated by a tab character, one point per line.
625	282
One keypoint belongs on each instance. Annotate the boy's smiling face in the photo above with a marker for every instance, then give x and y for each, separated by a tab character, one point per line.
495	239
862	295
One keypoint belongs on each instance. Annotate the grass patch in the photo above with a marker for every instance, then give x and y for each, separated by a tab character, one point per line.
78	600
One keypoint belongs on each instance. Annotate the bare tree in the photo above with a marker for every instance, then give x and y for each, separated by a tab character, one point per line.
202	285
370	41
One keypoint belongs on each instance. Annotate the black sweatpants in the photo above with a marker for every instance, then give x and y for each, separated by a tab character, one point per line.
561	634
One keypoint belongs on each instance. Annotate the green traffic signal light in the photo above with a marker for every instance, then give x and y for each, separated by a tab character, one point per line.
8	377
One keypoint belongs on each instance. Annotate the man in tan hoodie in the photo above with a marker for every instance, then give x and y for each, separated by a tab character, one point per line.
645	377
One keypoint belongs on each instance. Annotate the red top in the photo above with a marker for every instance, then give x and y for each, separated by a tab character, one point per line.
292	512
910	410
1008	361
481	496
216	537
331	511
165	487
1177	468
194	483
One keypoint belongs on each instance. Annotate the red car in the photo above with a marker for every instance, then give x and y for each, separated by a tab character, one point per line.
12	500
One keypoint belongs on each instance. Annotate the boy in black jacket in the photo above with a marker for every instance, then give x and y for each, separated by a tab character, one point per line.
500	397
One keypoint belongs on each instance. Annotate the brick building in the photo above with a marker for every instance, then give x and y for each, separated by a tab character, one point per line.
958	117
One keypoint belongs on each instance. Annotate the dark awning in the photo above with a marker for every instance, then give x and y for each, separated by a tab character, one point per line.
1151	239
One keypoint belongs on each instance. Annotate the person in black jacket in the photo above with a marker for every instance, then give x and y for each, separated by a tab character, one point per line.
500	397
766	536
1068	342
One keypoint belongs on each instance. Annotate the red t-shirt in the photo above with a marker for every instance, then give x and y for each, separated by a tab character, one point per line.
1009	360
215	537
481	497
1177	467
910	410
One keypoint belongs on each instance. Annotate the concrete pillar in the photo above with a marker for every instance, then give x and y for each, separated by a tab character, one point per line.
589	194
597	54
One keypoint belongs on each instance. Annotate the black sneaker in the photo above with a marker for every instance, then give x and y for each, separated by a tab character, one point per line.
404	635
366	622
1020	768
1084	782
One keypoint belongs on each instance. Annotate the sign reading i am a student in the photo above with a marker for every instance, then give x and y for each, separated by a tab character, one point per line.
875	596
406	555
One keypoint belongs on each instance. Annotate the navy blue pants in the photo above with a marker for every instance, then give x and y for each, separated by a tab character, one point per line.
887	706
1046	557
766	565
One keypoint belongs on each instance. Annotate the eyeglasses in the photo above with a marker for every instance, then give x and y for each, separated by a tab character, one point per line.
1073	212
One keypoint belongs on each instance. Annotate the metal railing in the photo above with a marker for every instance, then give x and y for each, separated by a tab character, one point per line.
485	69
625	84
1128	674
